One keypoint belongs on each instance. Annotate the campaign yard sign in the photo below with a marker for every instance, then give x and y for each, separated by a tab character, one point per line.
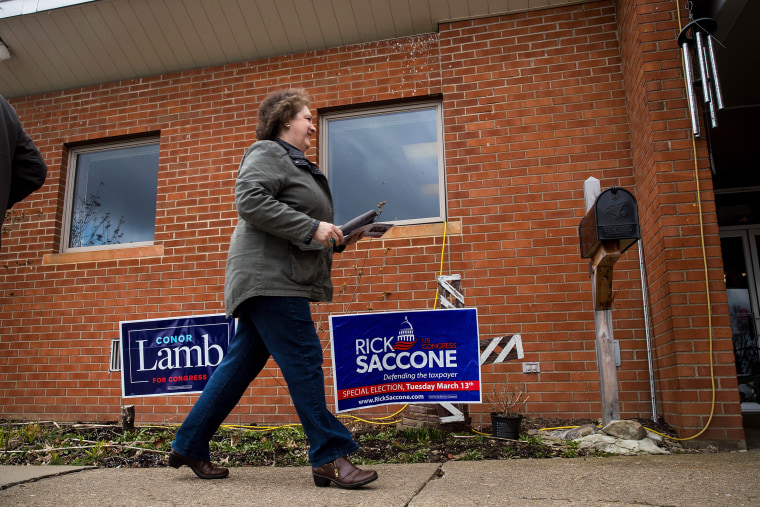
172	356
422	356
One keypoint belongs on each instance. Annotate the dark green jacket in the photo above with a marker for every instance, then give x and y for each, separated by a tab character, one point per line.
280	200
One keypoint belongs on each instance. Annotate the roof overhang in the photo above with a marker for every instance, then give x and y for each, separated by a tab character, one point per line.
64	44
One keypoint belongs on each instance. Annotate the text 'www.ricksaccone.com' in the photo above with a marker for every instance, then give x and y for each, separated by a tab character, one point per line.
390	397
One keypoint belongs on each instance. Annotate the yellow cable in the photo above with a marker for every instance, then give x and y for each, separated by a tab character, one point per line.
374	422
272	428
384	417
394	414
440	272
704	259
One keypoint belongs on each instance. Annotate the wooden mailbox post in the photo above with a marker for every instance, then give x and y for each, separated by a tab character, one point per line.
610	226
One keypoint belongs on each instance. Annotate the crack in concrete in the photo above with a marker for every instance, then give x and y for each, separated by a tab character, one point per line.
434	476
41	477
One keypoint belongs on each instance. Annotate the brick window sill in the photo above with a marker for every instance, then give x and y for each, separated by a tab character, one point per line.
104	255
401	232
423	230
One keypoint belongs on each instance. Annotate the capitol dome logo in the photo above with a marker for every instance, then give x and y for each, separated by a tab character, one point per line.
405	339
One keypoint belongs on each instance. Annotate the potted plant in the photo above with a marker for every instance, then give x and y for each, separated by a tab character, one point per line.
507	402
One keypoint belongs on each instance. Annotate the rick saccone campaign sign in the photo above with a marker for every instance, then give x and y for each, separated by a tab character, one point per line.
172	356
422	356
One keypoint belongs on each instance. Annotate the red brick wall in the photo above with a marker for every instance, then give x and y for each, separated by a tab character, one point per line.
663	155
534	103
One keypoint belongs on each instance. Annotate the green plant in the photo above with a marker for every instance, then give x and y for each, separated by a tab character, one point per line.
361	461
289	436
532	439
29	432
417	456
383	435
162	441
571	449
508	450
225	445
423	434
94	453
472	455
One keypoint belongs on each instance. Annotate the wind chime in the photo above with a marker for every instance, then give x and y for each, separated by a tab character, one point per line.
696	42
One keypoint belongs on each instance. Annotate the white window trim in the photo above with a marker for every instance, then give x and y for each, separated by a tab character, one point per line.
68	202
380	110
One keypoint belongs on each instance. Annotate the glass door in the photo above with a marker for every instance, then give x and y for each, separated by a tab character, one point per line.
740	247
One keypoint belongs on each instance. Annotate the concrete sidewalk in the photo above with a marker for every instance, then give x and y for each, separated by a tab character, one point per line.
682	480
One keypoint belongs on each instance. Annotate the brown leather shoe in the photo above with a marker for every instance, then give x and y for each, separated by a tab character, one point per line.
343	473
203	469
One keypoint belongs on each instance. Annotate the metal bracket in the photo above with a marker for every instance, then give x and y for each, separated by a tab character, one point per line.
457	415
514	342
451	285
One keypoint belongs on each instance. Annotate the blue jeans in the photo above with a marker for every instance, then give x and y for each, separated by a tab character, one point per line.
282	327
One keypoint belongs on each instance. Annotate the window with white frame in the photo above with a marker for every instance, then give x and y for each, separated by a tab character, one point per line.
111	195
390	154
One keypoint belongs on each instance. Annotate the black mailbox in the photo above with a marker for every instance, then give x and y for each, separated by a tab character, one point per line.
613	217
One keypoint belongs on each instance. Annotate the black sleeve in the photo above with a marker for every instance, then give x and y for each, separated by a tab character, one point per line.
28	168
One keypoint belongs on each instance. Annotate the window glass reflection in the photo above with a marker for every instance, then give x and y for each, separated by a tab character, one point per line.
738	208
738	279
391	158
114	197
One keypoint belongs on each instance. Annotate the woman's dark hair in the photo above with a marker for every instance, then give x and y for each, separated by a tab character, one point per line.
278	109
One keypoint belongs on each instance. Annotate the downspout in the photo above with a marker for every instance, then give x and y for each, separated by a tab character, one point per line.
645	301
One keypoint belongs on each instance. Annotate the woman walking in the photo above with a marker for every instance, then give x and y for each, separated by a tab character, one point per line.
279	260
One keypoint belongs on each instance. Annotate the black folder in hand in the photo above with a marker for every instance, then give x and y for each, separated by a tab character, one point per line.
365	224
360	221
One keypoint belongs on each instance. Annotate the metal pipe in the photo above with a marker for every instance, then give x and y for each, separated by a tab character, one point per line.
710	93
704	71
714	65
645	298
690	89
702	67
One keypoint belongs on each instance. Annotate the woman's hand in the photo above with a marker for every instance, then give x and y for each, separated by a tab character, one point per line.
328	234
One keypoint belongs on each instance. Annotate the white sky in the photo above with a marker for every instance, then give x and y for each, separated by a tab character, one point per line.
9	8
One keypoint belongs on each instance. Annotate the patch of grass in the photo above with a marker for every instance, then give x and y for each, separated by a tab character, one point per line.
472	455
570	449
422	434
29	432
417	456
387	434
508	451
109	446
532	439
570	453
